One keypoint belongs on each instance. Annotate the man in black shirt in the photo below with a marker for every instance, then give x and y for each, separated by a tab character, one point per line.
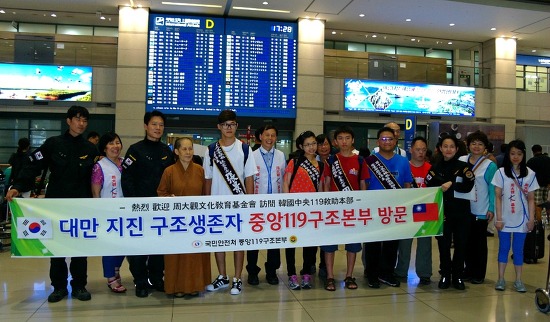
143	166
69	158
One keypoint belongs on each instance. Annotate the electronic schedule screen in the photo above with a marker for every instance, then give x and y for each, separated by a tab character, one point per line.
202	65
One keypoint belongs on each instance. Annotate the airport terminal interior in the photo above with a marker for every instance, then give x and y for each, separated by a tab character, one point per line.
496	49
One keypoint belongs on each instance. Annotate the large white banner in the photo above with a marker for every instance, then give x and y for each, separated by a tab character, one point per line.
169	225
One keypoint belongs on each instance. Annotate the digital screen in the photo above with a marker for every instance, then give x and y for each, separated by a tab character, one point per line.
200	66
408	98
45	82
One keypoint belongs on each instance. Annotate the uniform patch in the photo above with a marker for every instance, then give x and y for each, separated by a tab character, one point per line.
128	161
38	155
469	174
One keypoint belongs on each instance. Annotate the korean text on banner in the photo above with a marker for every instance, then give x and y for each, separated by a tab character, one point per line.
169	225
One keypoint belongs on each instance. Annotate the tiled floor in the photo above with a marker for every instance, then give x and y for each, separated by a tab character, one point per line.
25	287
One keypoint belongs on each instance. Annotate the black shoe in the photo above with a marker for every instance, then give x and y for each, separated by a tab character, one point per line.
389	280
253	279
159	286
141	291
373	283
425	281
444	283
57	295
477	280
459	284
81	294
272	279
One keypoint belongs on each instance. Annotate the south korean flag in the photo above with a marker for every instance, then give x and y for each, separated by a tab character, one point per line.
34	228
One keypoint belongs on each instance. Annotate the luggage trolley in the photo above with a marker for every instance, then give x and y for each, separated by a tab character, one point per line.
542	295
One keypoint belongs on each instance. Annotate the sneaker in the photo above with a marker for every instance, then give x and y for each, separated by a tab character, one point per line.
373	283
477	280
306	282
293	283
272	279
500	285
459	284
141	291
425	281
444	282
81	294
57	295
219	283
237	286
389	280
518	285
253	279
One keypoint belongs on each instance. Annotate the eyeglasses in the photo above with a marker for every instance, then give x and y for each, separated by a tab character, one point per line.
309	145
229	125
386	139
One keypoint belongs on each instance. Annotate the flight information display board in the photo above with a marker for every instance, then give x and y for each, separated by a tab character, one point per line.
202	65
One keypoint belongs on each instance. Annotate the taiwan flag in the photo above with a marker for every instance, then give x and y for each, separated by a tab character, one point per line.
425	212
34	228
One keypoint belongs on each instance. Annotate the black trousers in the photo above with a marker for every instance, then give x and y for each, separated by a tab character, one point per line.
147	267
456	228
309	254
476	254
380	258
59	272
271	265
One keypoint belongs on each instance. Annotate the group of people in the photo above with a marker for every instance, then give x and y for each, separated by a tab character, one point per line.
474	192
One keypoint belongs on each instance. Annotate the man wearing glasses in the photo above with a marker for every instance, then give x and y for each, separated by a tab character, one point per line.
397	130
387	170
228	171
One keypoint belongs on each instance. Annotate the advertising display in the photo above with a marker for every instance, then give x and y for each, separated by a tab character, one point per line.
408	98
202	65
45	82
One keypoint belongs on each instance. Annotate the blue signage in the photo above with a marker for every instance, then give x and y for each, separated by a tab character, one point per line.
532	60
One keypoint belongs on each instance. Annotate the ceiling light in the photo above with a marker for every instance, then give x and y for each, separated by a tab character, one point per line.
450	43
53	15
334	32
493	29
102	17
413	39
2	11
451	24
265	3
408	19
259	9
190	4
534	51
361	15
374	36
